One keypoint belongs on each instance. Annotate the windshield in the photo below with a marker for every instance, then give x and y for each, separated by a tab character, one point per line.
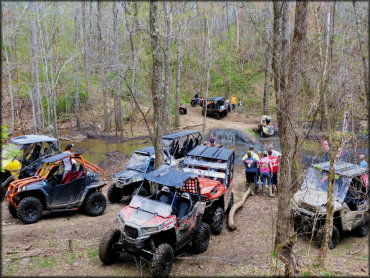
318	180
138	162
149	205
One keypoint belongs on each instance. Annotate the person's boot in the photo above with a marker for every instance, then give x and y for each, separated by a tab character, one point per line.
270	191
274	190
252	188
264	189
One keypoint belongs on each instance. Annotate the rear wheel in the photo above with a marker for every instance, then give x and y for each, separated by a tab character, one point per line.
181	111
29	210
108	254
217	221
114	194
95	203
162	261
362	230
201	238
335	237
216	116
12	210
193	103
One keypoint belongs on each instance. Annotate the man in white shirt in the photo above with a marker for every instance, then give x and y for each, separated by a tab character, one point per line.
274	153
68	161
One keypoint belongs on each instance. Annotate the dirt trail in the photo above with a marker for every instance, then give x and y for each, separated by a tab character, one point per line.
43	249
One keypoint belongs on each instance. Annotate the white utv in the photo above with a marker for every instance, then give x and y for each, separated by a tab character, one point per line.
351	202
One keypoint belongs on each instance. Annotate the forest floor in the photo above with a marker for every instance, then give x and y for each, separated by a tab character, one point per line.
42	249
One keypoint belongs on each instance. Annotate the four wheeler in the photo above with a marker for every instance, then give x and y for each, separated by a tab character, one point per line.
215	169
176	146
194	102
182	109
265	129
216	108
52	189
157	227
22	157
351	203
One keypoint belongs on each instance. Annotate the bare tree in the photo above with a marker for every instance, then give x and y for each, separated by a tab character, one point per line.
157	93
118	108
266	90
287	96
167	66
77	98
178	74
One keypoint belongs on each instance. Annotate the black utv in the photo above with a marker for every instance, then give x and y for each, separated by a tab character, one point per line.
156	228
22	157
216	108
175	147
53	189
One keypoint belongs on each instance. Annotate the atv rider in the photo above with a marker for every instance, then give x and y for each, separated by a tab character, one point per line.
250	171
196	96
68	161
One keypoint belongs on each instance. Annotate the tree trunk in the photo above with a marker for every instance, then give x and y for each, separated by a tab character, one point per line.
167	67
77	98
266	91
86	50
158	96
178	75
363	54
287	99
9	87
118	110
237	26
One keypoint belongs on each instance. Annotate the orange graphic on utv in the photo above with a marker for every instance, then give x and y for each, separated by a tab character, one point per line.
52	188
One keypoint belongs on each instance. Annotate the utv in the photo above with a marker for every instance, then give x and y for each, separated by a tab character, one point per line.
157	227
29	149
127	182
182	109
215	169
265	129
51	189
351	202
216	107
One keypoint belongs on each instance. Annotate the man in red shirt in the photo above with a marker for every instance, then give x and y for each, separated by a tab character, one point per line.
275	169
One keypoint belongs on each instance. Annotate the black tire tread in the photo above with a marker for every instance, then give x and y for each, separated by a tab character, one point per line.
217	221
156	263
114	195
23	204
106	255
199	245
88	206
12	210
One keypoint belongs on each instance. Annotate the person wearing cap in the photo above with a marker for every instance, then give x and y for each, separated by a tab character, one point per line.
250	171
255	156
274	153
266	169
275	169
68	161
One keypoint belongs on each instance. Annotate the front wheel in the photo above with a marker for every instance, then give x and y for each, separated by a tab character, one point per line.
335	237
362	230
216	116
217	221
201	238
181	111
108	253
30	210
95	203
193	103
114	194
162	261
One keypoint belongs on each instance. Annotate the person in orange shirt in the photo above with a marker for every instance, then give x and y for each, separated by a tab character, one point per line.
233	102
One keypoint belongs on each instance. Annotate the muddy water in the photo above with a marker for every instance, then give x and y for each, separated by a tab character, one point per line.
96	150
312	150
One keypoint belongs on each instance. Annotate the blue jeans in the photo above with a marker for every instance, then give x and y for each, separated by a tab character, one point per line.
257	177
233	107
265	176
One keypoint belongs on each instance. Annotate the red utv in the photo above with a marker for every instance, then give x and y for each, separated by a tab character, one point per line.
157	227
215	169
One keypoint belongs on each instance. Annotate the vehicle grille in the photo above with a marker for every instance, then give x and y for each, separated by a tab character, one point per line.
131	232
308	207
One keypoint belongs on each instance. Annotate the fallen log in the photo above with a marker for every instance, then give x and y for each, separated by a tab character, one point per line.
234	208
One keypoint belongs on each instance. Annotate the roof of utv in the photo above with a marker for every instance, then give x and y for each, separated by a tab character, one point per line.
215	98
179	134
211	152
57	157
343	168
32	138
170	177
146	150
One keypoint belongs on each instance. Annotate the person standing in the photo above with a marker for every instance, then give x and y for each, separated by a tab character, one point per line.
240	106
233	102
266	169
212	141
255	156
275	169
274	152
250	171
362	162
68	161
326	148
228	105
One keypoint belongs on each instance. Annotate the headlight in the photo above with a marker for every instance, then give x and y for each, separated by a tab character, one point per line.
151	229
121	219
214	190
